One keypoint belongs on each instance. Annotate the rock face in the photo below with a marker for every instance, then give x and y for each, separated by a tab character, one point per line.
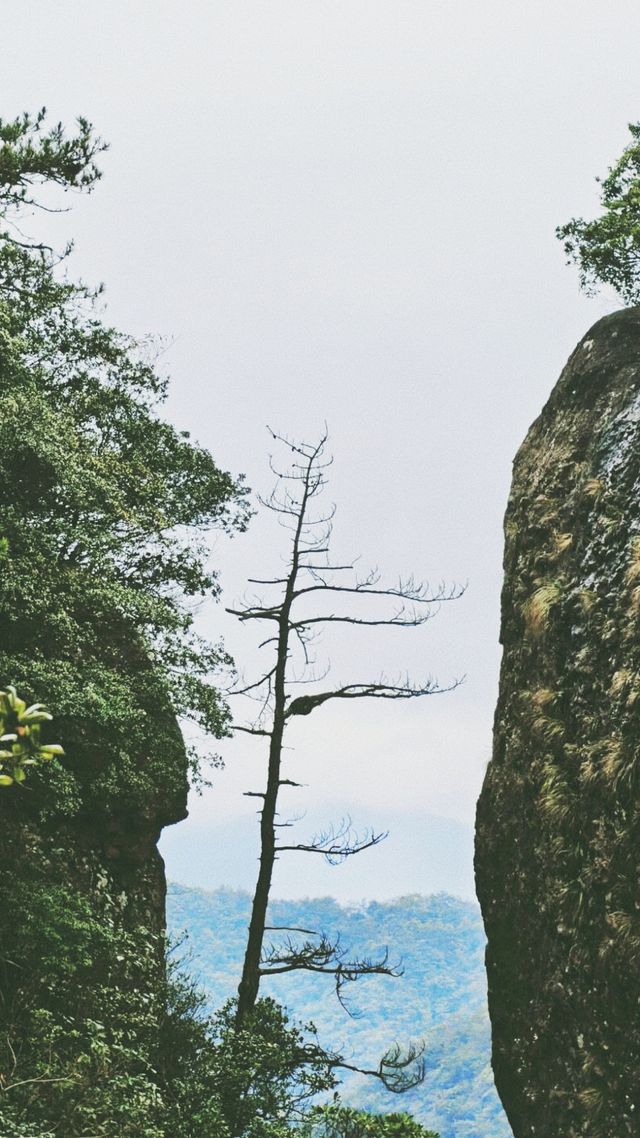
558	825
102	816
82	923
90	829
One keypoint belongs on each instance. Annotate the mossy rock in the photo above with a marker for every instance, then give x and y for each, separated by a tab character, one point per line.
558	824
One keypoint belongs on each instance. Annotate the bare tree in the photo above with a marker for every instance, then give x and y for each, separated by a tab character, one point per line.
311	575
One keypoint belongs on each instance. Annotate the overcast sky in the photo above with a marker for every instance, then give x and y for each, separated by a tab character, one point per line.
344	210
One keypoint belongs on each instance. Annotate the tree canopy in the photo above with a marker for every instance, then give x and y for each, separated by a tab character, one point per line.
607	249
105	504
337	1121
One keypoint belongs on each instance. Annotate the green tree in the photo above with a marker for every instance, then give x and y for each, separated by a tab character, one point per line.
106	511
260	1078
81	1000
607	249
337	1121
105	508
129	1052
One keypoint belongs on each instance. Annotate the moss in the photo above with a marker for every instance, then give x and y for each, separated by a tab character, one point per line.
537	609
561	543
587	599
593	488
558	829
633	567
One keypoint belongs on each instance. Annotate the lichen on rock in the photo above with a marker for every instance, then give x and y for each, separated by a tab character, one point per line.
558	824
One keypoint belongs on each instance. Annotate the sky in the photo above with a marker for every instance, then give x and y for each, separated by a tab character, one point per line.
344	211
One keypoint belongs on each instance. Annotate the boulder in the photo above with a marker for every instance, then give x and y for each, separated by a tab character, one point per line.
558	822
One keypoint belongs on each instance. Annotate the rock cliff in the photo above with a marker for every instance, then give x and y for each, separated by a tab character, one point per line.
558	824
104	807
83	1020
79	849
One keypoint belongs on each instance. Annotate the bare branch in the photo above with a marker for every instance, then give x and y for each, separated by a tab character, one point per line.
289	929
256	612
398	620
312	679
339	843
277	507
305	704
304	642
267	580
408	591
327	957
269	640
251	687
39	1080
306	450
326	568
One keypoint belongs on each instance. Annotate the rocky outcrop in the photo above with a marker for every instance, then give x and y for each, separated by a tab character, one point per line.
82	839
102	809
558	824
83	980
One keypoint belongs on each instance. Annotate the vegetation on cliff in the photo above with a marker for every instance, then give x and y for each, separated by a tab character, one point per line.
104	505
607	249
559	817
97	1041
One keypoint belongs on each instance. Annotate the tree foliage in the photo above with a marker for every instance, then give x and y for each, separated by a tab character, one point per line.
337	1121
77	1048
32	152
129	1052
607	249
105	505
20	744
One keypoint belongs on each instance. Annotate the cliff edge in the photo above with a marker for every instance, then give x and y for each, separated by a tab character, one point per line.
558	822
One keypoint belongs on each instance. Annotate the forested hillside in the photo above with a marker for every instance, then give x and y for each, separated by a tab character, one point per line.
440	996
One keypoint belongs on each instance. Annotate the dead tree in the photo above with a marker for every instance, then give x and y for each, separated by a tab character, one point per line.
310	575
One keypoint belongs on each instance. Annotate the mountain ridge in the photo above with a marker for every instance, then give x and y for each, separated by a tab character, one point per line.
441	996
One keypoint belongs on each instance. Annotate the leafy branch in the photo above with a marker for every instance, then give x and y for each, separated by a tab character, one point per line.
20	745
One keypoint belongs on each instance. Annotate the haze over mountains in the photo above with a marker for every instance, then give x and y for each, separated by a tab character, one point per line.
441	996
422	854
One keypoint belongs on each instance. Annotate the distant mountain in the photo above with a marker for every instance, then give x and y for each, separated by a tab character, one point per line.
441	996
425	852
